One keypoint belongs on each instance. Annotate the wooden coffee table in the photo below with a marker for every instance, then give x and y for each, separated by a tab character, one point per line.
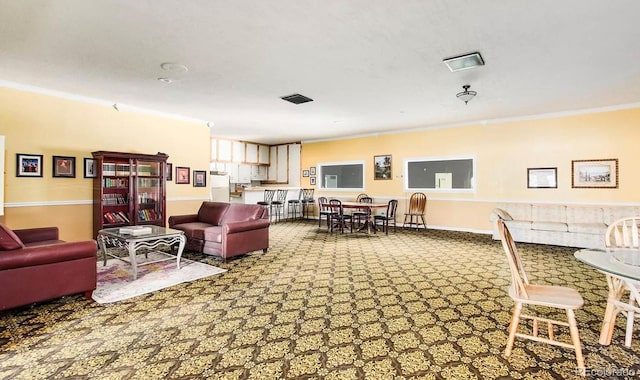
158	236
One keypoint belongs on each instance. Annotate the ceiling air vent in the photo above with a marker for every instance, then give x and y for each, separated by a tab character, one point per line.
296	99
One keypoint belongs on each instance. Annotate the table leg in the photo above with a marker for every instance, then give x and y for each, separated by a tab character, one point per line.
103	247
616	290
183	241
132	257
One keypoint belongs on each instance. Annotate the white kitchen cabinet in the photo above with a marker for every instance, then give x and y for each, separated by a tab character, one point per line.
214	149
294	170
224	150
258	172
238	151
272	173
232	170
251	153
263	154
283	164
244	173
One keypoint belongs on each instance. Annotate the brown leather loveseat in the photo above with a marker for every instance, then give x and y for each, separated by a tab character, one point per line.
36	266
225	229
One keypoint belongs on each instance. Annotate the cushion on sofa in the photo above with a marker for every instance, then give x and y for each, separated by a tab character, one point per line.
584	214
9	240
588	228
193	230
549	226
212	212
517	211
238	212
213	234
549	213
612	214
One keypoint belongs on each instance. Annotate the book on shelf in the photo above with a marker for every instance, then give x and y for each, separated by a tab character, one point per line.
108	169
123	169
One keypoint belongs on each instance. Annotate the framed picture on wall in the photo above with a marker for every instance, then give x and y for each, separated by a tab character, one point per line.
169	172
64	167
305	173
542	178
594	173
90	168
182	175
382	167
312	181
199	178
312	170
28	165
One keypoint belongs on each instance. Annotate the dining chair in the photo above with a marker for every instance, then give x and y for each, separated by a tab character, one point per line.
525	293
417	206
388	217
324	211
338	218
268	200
307	202
624	234
362	214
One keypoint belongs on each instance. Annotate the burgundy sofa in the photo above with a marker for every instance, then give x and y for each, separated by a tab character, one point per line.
225	229
36	266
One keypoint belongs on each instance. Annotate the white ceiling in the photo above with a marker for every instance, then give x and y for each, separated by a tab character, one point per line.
370	65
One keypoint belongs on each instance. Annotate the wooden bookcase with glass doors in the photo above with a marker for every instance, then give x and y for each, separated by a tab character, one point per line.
129	190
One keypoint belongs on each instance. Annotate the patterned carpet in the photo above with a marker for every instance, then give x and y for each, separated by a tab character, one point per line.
423	305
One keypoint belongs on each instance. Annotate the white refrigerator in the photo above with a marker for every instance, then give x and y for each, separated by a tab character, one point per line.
219	186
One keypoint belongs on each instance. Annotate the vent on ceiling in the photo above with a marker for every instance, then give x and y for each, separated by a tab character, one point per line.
296	99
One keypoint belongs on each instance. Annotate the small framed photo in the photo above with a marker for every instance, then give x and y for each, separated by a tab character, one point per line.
169	172
312	170
305	173
182	175
382	167
90	168
28	165
64	167
542	178
312	181
594	173
199	178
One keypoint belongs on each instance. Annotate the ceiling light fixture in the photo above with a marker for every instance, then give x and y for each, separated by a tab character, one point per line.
165	80
464	62
466	95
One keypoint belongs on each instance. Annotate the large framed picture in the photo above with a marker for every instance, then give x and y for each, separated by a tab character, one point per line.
199	178
542	178
594	173
90	168
382	167
64	167
28	165
182	175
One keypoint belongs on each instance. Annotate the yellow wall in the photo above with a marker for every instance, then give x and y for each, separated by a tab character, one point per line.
36	123
503	151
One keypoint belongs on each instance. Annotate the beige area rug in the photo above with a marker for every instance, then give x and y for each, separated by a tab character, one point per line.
115	281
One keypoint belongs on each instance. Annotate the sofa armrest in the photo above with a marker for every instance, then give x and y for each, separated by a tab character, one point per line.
248	225
47	254
33	235
499	213
179	219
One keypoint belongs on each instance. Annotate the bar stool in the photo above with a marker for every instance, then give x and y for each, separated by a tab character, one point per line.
294	206
268	200
278	204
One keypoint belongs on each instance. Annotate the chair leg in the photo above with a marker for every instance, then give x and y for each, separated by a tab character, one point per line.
630	318
575	338
513	328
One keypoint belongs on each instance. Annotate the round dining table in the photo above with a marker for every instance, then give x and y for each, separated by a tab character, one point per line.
368	224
